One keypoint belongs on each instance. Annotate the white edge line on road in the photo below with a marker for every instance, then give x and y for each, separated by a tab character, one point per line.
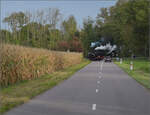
98	82
96	90
94	107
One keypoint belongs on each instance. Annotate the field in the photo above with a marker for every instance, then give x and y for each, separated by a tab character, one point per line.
27	72
21	63
140	72
22	92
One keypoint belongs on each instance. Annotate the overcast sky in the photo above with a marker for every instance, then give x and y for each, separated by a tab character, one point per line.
80	8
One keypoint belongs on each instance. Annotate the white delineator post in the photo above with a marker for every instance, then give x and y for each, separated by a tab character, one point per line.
131	65
120	60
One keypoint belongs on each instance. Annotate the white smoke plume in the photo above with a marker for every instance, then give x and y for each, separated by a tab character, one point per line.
108	47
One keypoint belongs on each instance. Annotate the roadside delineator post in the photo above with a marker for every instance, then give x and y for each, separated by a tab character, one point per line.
120	60
131	65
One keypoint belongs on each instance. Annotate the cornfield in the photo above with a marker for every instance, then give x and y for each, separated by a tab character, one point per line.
20	63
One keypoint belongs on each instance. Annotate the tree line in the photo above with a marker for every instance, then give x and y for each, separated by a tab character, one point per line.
42	29
125	24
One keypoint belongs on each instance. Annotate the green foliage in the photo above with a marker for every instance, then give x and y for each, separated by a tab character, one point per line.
5	36
40	30
16	20
127	25
88	35
69	27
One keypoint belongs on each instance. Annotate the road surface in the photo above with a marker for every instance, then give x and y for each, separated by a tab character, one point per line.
98	89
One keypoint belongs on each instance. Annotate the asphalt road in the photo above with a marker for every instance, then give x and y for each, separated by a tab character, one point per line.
98	89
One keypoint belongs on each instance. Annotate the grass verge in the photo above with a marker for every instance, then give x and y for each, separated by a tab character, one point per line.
22	92
140	72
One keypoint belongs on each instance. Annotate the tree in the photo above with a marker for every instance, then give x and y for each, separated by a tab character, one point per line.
5	36
88	35
53	17
126	24
69	27
39	29
103	15
16	20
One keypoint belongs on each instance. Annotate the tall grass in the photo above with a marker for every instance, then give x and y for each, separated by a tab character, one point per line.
21	63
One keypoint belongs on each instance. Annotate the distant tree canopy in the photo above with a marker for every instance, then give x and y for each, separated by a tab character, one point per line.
125	24
88	35
69	27
16	20
41	30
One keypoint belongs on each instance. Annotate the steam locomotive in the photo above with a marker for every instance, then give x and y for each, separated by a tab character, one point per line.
99	52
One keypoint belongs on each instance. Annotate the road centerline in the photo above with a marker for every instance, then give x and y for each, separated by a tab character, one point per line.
100	77
97	90
94	107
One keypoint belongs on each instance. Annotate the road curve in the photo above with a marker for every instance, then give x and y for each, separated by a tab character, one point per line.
98	89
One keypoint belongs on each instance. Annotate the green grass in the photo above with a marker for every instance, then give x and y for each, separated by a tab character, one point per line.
141	71
20	93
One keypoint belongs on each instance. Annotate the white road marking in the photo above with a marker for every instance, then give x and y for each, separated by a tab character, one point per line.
100	77
94	107
102	65
98	82
96	90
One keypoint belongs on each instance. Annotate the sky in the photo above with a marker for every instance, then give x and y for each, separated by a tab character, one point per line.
81	9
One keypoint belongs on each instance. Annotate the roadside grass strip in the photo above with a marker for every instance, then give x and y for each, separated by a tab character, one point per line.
140	72
22	92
